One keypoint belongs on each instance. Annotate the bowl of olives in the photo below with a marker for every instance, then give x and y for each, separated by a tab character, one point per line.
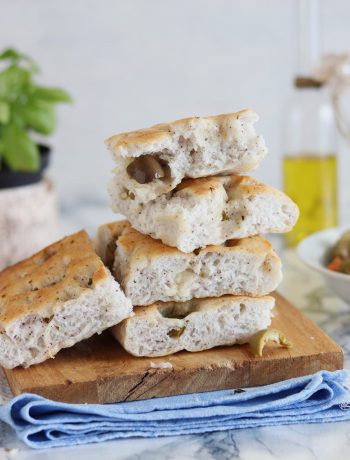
328	252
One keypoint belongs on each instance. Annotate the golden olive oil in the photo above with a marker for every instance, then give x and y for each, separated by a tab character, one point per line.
311	181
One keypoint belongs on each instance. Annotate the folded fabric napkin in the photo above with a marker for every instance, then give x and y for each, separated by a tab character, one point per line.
40	423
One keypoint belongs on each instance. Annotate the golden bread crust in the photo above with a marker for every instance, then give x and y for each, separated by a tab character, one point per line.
138	245
164	130
51	277
244	185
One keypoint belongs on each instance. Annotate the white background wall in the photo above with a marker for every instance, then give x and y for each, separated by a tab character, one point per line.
131	63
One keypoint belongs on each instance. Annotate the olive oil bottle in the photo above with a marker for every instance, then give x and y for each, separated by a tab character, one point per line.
309	137
311	181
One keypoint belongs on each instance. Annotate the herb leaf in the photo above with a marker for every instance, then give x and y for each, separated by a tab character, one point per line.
38	116
4	112
15	57
12	82
19	151
25	106
50	94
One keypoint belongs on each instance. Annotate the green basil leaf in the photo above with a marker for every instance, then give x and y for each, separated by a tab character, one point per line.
15	56
13	82
10	53
4	112
50	94
40	117
19	151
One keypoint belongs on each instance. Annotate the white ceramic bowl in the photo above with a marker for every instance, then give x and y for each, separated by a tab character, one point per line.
314	252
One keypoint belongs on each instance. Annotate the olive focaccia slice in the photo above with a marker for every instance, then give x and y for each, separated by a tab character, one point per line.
198	324
151	271
153	161
54	299
209	210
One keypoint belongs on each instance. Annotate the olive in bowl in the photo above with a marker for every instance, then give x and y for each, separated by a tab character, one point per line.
340	255
328	253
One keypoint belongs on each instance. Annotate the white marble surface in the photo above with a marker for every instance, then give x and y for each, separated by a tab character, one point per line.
329	441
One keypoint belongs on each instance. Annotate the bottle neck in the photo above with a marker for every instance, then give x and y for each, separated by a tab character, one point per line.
308	37
304	82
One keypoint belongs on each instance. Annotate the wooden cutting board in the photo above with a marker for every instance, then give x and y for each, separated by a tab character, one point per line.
98	370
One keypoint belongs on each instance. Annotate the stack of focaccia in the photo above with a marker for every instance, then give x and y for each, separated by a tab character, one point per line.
194	270
190	257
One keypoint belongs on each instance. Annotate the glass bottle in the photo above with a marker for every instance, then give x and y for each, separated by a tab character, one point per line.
309	138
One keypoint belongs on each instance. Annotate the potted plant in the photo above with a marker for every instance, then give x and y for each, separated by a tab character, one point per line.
27	204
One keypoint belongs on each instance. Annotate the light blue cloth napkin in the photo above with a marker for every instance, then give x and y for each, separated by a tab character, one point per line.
40	423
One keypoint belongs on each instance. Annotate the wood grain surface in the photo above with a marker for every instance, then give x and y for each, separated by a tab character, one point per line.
98	370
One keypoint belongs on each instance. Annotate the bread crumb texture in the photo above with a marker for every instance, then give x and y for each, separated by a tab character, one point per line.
153	161
149	270
198	324
54	299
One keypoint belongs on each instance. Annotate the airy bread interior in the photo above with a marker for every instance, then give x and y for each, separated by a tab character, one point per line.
54	299
192	147
150	271
209	211
165	328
